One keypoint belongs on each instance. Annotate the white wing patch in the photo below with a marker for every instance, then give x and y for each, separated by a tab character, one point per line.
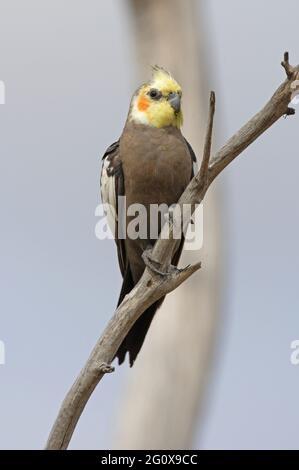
109	196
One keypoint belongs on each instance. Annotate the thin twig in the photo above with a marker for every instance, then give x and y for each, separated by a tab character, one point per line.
286	65
204	167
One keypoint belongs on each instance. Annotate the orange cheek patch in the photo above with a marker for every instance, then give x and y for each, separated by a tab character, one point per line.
143	103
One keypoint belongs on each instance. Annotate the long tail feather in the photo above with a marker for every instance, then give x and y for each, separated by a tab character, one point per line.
135	338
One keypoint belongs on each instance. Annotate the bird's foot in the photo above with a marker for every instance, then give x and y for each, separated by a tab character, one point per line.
151	263
156	267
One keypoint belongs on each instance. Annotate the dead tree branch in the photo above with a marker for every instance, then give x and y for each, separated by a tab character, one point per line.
204	167
153	285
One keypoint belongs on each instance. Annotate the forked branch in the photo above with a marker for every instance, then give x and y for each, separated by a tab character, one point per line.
152	286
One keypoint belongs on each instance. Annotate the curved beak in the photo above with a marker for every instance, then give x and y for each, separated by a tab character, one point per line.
175	101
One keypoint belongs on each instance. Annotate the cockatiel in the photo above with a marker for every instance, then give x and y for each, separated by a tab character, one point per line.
151	163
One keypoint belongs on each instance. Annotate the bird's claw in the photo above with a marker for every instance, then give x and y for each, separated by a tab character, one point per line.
156	267
151	263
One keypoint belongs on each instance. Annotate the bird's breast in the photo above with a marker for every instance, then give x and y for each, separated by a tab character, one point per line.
156	164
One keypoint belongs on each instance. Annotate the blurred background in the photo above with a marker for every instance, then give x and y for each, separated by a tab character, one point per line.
70	69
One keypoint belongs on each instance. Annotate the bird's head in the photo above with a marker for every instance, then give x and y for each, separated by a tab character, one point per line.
158	102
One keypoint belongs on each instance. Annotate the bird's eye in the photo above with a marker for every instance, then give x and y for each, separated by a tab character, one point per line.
155	94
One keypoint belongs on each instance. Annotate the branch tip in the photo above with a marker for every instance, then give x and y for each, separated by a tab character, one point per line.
212	99
177	276
286	57
188	270
290	111
286	65
204	167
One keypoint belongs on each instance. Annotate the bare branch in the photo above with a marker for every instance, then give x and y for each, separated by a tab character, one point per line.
204	168
276	107
286	65
152	286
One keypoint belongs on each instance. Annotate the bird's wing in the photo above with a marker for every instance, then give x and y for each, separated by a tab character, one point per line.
193	158
112	186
